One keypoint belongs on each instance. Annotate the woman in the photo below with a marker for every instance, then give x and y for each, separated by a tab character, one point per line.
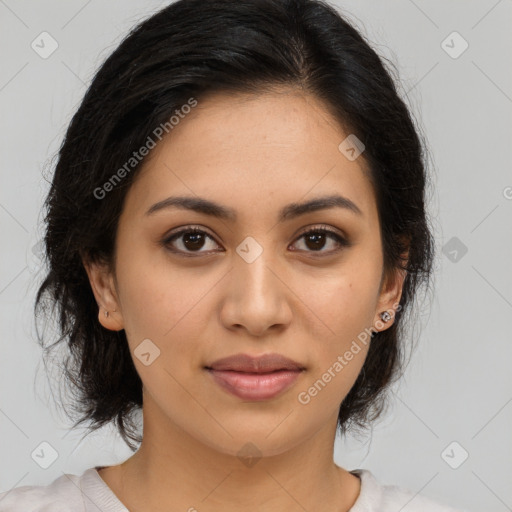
235	230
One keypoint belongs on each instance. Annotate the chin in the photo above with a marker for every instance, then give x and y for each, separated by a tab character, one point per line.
252	443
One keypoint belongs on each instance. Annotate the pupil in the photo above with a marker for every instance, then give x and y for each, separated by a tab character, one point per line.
317	239
190	240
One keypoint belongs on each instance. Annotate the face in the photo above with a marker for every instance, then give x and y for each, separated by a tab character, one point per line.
265	278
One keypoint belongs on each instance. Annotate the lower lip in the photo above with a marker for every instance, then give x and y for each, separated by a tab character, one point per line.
255	386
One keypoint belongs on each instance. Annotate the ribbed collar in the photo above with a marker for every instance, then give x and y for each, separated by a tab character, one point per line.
370	495
98	497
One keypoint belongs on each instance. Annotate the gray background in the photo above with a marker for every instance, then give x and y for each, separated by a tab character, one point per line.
457	387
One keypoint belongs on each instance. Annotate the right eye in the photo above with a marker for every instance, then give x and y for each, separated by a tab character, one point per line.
188	241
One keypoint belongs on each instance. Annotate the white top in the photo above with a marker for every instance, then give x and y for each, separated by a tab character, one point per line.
90	493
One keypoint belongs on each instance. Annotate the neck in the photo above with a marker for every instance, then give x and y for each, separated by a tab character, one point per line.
174	471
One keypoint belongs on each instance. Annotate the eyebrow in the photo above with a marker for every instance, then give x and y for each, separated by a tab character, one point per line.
290	211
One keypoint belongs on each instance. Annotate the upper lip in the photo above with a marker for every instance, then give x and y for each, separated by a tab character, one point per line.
255	364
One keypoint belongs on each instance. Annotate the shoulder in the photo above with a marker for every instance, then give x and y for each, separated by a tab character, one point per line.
62	495
375	497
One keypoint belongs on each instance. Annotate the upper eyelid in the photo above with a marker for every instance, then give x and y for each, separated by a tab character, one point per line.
321	227
303	231
186	229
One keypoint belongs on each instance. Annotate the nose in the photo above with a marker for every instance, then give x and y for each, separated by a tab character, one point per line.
257	297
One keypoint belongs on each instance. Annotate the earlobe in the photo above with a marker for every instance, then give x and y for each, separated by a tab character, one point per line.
110	319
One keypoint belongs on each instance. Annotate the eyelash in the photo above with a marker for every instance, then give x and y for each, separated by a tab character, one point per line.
342	242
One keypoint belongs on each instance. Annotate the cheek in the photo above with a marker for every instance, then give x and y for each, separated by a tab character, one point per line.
145	295
147	288
163	305
341	303
345	303
322	394
338	357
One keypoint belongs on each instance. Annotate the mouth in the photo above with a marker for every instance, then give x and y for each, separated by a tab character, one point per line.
255	378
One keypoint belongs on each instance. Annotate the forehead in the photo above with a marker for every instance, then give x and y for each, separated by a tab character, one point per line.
254	149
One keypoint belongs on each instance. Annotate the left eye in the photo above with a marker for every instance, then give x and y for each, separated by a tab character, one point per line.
191	240
315	239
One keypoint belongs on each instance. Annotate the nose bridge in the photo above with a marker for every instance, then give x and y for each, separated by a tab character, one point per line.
251	270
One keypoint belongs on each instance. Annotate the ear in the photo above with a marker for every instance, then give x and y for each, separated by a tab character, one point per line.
389	298
103	286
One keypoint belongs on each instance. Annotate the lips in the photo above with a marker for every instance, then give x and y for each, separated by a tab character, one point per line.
262	364
255	378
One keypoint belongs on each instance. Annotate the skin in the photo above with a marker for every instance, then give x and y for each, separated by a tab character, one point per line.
254	154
